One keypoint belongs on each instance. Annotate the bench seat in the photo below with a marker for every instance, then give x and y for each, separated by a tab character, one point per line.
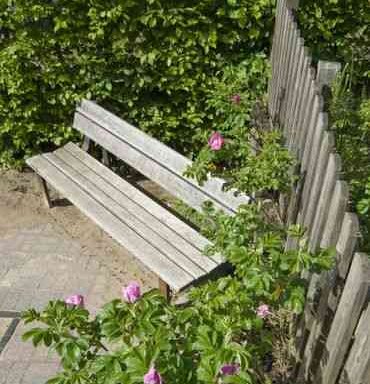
163	242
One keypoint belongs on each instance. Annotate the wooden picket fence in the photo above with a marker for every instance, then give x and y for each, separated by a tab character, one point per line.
333	338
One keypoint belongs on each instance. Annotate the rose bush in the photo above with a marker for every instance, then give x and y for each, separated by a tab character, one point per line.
223	334
250	156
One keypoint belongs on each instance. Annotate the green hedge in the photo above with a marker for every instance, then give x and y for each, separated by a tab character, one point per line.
339	30
150	61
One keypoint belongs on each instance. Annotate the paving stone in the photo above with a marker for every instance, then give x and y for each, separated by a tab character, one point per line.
13	372
42	260
39	373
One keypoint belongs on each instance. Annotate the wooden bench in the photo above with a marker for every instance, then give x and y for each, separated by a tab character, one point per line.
163	242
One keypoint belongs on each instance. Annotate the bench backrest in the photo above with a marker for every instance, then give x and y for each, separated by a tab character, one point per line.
152	158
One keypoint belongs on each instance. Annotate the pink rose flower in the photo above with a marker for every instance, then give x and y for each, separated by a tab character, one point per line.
236	99
263	311
75	300
152	377
229	369
132	292
216	141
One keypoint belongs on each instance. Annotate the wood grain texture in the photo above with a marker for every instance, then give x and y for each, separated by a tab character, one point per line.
124	209
328	284
298	72
347	243
275	51
156	210
300	100
152	158
110	223
136	207
314	180
357	367
327	188
304	106
338	205
291	56
45	192
351	304
316	126
309	114
284	22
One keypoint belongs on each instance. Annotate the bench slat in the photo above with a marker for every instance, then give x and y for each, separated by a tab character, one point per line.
166	269
168	241
157	157
133	222
170	220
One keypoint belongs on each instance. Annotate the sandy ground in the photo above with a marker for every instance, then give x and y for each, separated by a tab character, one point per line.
47	254
22	208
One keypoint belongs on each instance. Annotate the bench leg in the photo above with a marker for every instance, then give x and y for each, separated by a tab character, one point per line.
164	289
44	191
86	144
105	158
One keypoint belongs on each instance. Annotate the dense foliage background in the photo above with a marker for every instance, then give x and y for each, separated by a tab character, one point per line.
150	60
339	30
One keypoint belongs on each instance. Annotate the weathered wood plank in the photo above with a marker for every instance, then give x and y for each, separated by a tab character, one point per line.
357	367
149	223
164	289
291	55
347	243
337	209
327	71
314	221
317	126
285	36
322	209
45	192
304	106
275	51
99	191
300	99
141	199
310	113
326	282
150	256
345	249
314	180
86	144
296	59
179	187
152	155
298	70
352	302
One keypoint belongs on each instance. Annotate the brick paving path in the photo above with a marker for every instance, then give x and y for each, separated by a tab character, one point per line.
36	265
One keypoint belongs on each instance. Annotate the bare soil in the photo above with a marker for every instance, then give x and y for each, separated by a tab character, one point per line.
21	206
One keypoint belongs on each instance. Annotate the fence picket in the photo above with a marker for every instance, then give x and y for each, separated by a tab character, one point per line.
326	283
311	114
281	61
357	367
305	105
299	98
291	63
338	206
314	178
319	200
275	51
351	304
322	209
